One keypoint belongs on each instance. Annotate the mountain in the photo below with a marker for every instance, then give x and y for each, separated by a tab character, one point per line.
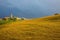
45	28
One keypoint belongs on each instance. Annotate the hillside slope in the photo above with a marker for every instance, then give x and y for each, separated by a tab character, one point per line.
47	28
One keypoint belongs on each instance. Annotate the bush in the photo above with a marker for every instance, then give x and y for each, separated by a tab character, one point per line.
56	14
7	21
4	21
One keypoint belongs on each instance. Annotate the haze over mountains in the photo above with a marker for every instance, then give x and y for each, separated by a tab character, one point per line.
29	8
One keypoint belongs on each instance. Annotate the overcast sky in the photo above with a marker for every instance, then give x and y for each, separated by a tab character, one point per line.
29	8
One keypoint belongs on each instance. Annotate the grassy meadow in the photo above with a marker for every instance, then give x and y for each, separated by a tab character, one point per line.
45	28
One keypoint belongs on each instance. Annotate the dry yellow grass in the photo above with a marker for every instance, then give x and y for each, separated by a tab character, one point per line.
47	28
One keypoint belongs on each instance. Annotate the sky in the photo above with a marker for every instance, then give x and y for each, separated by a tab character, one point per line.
29	8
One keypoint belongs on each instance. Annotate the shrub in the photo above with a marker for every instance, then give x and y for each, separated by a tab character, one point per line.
4	21
56	14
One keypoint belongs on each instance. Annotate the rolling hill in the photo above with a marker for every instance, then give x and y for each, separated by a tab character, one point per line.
45	28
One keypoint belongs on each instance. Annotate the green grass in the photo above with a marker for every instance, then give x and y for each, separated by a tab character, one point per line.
6	21
3	22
